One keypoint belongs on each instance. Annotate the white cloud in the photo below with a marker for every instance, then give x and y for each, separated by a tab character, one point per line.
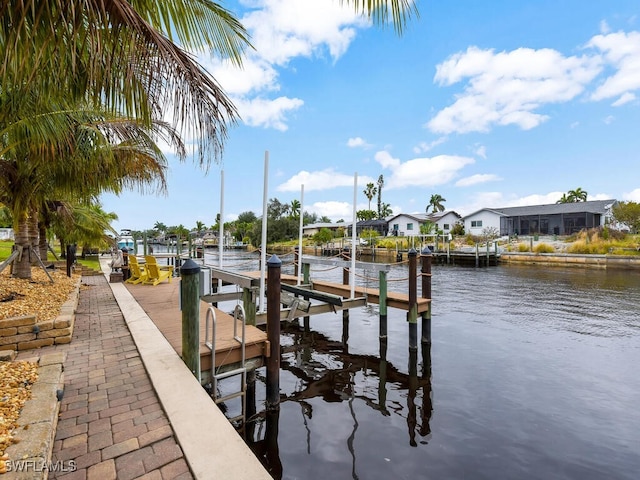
423	147
424	172
280	31
333	210
320	180
255	76
622	51
260	112
633	196
481	151
608	120
476	179
624	98
507	88
284	29
385	160
357	142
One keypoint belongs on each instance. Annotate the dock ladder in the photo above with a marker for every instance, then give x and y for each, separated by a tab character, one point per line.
238	315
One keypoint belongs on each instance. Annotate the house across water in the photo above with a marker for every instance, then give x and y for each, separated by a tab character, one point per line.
553	219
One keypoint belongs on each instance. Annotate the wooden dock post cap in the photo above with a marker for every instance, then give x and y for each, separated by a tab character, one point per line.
274	261
189	267
413	252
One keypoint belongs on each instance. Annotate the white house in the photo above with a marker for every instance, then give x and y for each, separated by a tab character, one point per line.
444	220
6	233
556	219
408	224
313	228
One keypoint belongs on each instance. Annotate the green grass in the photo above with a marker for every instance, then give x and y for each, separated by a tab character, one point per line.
5	249
91	261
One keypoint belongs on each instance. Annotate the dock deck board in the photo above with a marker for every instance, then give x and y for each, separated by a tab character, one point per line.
394	299
161	303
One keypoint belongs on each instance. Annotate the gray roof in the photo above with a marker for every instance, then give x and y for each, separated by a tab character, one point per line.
593	206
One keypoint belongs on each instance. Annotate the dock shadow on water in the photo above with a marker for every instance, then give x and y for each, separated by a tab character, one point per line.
532	374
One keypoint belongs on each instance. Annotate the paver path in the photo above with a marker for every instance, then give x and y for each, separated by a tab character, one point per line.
111	422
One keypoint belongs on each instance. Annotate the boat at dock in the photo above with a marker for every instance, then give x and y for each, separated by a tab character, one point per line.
125	240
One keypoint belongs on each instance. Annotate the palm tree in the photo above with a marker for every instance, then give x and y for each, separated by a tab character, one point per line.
380	185
294	208
577	195
385	211
126	55
436	203
370	192
83	224
564	199
72	154
159	227
120	58
110	52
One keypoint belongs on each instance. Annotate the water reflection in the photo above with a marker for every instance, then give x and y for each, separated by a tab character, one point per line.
324	369
535	372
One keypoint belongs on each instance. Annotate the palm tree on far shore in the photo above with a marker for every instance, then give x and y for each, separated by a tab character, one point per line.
294	208
577	195
436	203
380	185
370	192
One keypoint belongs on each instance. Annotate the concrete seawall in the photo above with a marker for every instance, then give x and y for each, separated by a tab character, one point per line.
571	260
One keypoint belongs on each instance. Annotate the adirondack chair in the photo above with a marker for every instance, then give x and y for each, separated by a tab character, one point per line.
138	272
156	273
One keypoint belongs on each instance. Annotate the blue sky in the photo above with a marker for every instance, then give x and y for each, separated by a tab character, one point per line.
488	104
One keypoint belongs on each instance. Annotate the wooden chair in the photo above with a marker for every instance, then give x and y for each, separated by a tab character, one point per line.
138	272
156	273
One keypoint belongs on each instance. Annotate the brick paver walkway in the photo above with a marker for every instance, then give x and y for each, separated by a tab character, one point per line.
111	422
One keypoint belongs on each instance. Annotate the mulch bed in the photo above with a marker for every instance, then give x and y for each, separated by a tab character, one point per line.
20	297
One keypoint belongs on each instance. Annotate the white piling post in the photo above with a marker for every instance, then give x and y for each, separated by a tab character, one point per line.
263	247
352	273
300	234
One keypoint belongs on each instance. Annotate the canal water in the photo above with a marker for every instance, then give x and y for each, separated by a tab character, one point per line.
532	374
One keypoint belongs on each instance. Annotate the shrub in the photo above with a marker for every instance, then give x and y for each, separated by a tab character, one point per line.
471	239
523	247
588	248
544	248
458	229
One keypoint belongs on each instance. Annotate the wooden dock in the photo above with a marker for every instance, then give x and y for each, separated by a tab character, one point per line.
161	303
371	295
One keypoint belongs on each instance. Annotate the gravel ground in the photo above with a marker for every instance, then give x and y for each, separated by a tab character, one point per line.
24	297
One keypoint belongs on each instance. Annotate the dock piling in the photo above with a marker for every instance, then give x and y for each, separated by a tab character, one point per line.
274	266
382	275
345	312
412	314
190	304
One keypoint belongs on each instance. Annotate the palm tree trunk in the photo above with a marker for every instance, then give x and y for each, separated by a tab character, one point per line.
22	266
42	243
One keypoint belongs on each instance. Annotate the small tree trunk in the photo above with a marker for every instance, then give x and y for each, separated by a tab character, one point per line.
42	241
22	267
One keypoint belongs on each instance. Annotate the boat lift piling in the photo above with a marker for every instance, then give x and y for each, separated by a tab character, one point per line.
412	313
190	306
274	266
